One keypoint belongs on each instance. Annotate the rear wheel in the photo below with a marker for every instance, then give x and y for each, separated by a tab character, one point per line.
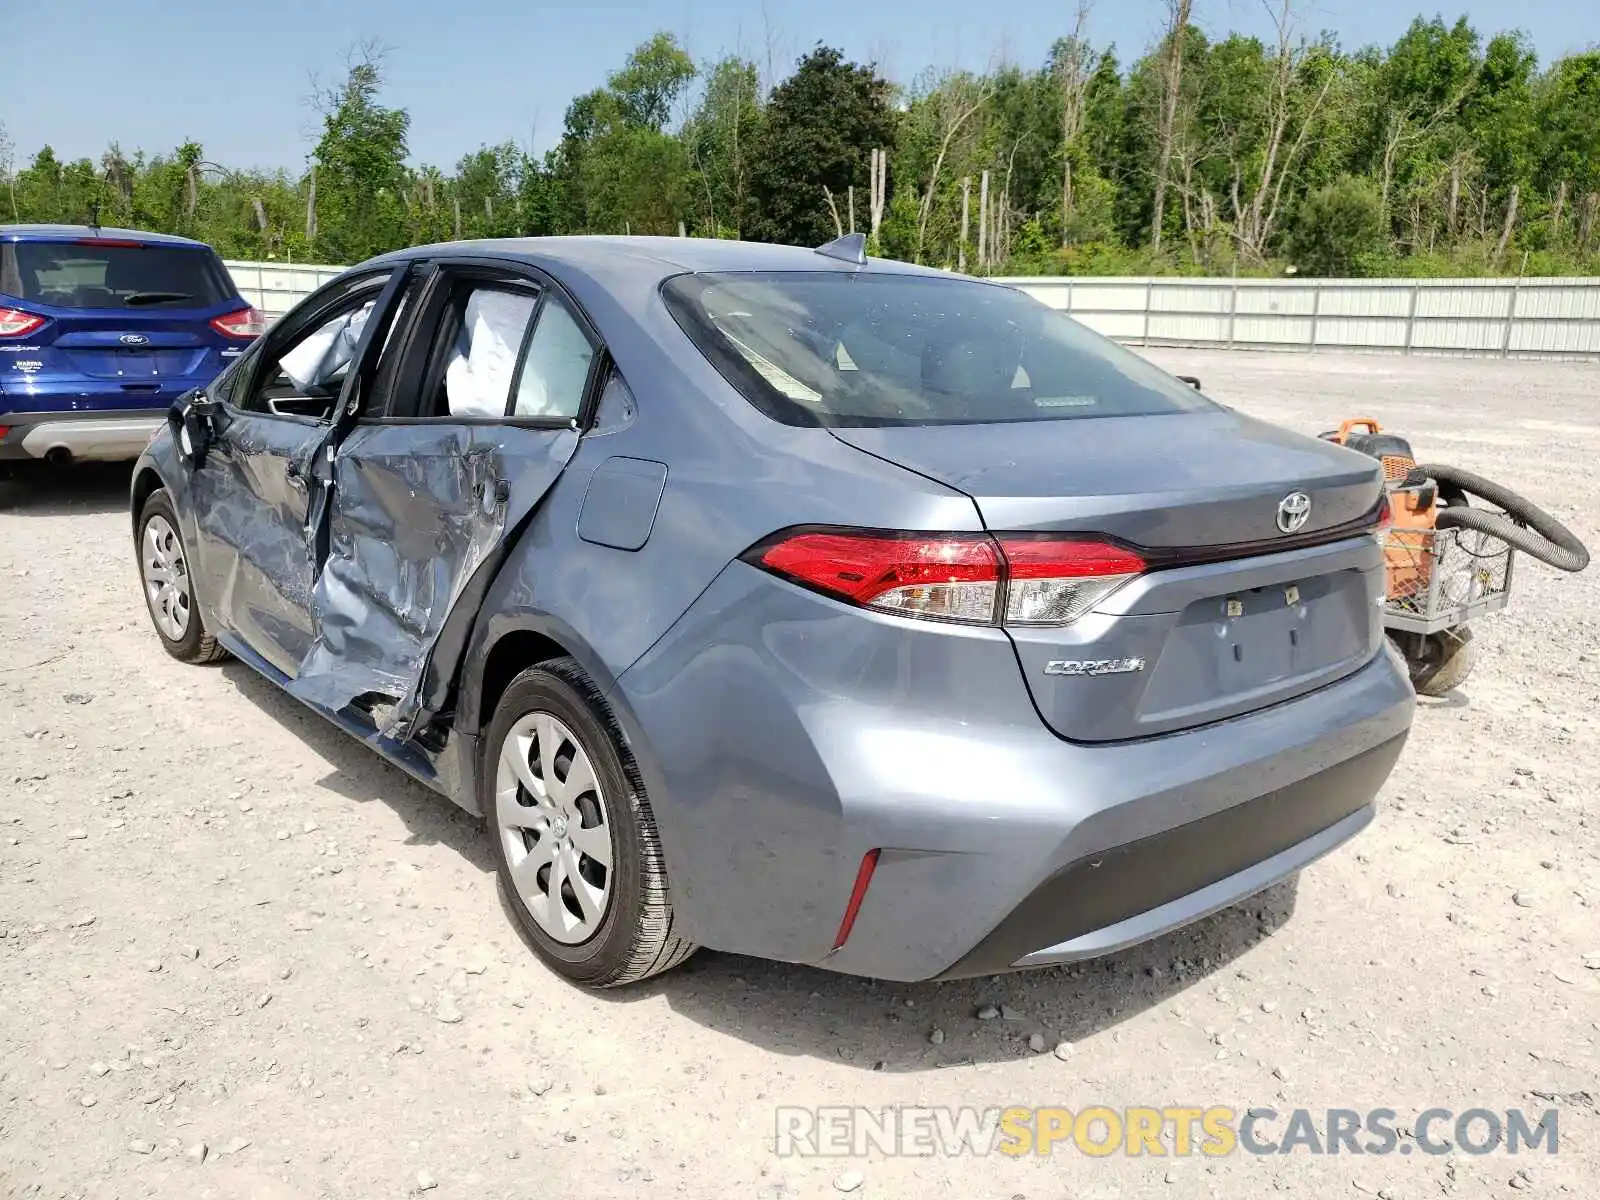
1439	662
574	838
167	585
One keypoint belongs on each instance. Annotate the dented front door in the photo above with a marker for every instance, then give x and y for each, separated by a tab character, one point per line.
425	499
417	511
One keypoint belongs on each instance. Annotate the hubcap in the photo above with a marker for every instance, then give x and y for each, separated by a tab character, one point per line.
555	826
166	577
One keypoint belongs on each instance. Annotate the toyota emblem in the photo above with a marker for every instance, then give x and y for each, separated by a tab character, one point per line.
1294	510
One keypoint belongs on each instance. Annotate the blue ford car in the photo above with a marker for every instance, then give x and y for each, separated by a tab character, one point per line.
100	330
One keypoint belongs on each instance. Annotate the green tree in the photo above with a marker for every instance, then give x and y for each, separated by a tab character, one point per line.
360	171
821	126
1336	226
719	137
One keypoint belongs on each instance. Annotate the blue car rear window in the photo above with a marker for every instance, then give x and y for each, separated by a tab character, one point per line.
101	274
872	348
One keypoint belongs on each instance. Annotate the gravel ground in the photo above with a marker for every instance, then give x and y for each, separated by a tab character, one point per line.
240	957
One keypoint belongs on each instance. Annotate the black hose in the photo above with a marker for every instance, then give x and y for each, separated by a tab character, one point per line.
1545	538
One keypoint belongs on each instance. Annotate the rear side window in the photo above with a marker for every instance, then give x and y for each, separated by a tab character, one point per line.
100	274
838	348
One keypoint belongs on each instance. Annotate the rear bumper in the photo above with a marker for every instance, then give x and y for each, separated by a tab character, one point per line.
782	737
1103	902
113	435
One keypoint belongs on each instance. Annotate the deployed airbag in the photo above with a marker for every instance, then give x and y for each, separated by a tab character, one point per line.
478	378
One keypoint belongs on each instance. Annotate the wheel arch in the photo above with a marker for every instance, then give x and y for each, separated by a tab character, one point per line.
505	646
146	482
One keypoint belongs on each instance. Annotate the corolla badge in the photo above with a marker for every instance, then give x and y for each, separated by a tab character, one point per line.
134	339
1294	510
1093	666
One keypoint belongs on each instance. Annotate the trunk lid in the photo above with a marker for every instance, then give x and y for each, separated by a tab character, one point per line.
1233	613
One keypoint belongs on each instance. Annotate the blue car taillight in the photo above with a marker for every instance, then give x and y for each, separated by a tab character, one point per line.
15	323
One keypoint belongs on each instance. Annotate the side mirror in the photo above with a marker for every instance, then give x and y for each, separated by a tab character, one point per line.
190	421
1192	380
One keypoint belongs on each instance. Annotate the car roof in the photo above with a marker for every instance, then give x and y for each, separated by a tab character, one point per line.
56	233
648	260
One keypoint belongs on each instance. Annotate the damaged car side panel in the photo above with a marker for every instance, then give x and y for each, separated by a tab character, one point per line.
251	502
417	512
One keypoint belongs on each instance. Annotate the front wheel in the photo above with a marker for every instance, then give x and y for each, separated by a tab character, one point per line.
574	838
1439	662
168	586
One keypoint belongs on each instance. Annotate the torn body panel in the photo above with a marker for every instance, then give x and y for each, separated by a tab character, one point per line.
250	497
418	513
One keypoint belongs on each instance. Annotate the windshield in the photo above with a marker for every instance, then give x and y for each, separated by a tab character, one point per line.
90	274
830	348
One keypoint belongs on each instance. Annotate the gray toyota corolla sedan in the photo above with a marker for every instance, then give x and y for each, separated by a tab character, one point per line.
787	602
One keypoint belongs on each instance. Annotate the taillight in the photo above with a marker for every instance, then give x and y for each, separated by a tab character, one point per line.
1054	580
947	577
1385	516
15	323
246	323
971	578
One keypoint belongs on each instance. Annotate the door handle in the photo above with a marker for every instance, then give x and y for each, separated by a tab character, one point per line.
292	471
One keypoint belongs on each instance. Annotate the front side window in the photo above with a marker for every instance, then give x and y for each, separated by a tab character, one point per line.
838	348
304	376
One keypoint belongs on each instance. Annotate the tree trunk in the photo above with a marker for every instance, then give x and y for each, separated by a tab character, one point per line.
880	186
1555	213
833	209
683	231
261	213
1591	202
1455	198
983	224
455	202
851	197
1505	232
311	208
1066	201
1172	81
1074	85
966	214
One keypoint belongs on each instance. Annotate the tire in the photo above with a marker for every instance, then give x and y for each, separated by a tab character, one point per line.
159	549
539	832
1445	660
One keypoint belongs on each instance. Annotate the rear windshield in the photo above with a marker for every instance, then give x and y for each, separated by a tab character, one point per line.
831	348
89	275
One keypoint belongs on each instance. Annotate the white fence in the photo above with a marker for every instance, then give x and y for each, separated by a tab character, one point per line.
1543	317
275	288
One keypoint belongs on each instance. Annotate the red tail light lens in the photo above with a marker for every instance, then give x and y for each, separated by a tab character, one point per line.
15	323
1385	516
1054	581
972	578
951	578
246	323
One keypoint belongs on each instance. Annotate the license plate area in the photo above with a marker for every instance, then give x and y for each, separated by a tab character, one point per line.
1263	635
1252	646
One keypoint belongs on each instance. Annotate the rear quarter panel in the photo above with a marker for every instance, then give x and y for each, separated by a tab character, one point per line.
733	477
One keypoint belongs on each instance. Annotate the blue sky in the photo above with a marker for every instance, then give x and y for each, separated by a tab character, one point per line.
80	73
